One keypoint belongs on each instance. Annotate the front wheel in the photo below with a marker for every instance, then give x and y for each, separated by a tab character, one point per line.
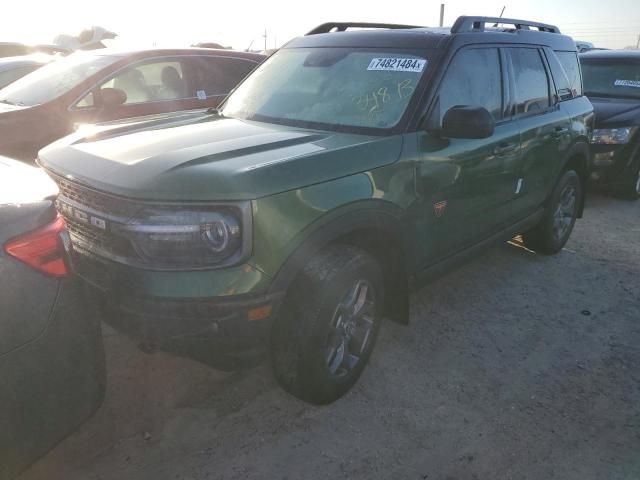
330	320
631	187
555	228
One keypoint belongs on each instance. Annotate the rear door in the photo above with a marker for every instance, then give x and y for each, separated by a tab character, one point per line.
217	76
544	126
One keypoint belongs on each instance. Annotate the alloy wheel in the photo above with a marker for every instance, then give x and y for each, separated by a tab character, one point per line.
565	212
351	329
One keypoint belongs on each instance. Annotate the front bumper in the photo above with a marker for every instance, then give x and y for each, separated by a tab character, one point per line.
612	164
140	308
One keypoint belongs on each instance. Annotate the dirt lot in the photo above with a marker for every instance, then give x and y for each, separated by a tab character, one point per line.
515	366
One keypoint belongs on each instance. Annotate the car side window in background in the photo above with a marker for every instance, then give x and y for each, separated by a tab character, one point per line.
560	78
531	82
569	61
151	82
474	79
219	75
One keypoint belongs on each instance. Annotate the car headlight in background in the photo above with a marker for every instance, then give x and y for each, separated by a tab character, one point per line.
612	136
191	237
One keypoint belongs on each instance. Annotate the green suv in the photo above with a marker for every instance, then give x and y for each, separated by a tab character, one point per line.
347	169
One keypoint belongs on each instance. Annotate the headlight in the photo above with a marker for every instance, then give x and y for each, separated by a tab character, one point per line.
191	238
613	135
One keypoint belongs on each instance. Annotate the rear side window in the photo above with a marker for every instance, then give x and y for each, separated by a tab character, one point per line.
473	79
562	83
531	82
219	75
569	61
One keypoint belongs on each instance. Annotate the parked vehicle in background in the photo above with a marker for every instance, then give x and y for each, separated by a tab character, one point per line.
347	168
104	85
13	68
612	83
14	49
51	353
583	46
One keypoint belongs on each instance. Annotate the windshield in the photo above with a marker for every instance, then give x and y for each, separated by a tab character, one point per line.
54	79
330	88
611	79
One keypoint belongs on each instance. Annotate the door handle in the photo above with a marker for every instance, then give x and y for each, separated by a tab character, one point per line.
504	148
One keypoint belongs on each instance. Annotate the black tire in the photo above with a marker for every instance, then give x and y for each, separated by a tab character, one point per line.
553	231
631	187
316	319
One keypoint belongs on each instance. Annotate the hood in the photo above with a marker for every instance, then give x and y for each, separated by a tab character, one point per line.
206	157
21	183
612	113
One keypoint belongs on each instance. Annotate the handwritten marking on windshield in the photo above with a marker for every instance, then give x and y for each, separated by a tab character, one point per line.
373	102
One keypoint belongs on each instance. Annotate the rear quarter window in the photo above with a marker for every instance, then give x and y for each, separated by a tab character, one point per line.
571	65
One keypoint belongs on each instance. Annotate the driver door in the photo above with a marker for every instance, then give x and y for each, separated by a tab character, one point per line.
468	184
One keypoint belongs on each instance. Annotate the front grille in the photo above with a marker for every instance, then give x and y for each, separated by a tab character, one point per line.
109	209
99	241
95	200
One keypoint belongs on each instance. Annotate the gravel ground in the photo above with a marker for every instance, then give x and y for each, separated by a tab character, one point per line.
515	366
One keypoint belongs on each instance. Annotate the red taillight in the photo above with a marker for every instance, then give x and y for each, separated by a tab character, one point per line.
42	249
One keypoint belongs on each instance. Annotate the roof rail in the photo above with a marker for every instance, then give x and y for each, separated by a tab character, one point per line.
474	24
342	26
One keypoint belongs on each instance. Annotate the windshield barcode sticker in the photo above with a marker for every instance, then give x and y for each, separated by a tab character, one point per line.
397	64
627	83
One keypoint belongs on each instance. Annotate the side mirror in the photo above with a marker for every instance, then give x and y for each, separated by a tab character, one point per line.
467	122
112	97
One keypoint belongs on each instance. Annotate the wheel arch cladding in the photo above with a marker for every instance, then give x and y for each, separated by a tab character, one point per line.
374	226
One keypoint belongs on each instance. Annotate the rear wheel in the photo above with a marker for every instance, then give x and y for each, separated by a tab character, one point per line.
329	324
555	228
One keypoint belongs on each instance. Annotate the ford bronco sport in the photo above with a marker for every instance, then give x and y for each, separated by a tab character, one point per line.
346	169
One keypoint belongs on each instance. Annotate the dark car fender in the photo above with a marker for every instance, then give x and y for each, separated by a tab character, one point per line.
376	226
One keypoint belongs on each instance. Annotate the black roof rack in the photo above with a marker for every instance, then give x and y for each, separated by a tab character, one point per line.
475	24
342	26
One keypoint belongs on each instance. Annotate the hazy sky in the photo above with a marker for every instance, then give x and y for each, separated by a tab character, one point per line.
607	23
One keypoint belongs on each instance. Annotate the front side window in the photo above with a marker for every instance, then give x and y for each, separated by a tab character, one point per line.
150	82
54	79
473	79
531	82
611	78
332	88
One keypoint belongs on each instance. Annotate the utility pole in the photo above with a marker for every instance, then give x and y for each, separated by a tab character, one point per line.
638	43
442	14
265	38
